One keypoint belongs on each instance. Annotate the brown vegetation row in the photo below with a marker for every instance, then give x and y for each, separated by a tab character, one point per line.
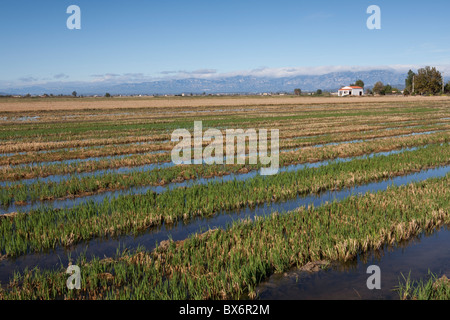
12	105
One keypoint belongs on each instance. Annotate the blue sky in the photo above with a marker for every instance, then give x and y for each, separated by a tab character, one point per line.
146	39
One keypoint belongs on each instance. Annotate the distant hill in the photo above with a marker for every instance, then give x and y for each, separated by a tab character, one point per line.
236	84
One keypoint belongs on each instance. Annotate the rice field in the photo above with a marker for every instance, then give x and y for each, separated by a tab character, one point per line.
433	288
95	182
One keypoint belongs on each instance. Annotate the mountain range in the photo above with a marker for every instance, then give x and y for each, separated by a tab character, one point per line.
235	84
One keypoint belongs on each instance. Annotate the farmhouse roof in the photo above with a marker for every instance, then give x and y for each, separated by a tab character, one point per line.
351	87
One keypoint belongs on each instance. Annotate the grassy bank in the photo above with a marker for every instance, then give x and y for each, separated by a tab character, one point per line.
433	288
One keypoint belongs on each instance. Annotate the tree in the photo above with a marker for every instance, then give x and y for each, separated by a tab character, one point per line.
409	81
387	90
378	88
319	92
297	92
428	81
447	87
359	83
107	95
74	93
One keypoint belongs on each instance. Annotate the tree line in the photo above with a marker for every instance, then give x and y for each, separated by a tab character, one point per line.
427	81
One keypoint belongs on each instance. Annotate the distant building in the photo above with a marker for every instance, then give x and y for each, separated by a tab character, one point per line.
351	91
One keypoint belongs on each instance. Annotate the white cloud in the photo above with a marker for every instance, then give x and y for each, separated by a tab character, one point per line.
120	78
195	72
28	79
321	70
263	72
61	76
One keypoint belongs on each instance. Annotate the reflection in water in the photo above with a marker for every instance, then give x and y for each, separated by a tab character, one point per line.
429	251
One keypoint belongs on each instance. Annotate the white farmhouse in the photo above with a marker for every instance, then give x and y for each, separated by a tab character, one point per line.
351	91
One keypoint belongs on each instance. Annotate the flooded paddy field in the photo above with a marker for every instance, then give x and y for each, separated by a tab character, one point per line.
358	183
413	258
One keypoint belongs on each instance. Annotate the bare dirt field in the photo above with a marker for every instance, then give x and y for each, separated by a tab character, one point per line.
53	104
